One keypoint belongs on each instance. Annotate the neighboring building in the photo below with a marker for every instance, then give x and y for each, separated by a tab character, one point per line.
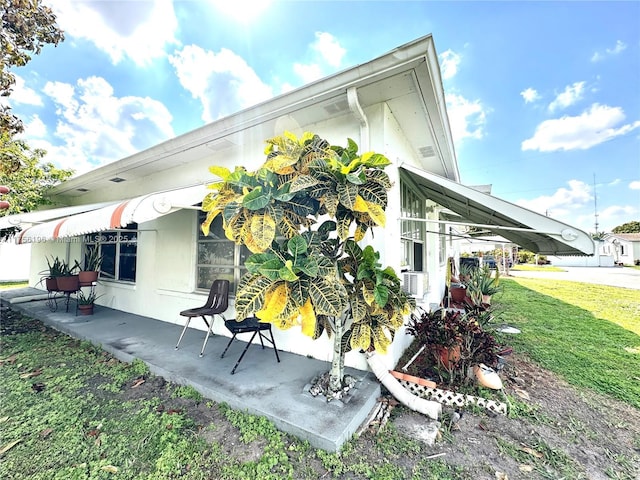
157	262
623	247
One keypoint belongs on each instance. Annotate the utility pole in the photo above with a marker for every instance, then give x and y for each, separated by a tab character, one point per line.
595	202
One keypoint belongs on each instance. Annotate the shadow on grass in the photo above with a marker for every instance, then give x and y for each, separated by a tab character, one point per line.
571	341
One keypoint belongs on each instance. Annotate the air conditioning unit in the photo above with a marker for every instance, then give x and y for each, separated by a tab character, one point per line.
415	283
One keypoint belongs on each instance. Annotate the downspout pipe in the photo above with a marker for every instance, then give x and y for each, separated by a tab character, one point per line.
356	110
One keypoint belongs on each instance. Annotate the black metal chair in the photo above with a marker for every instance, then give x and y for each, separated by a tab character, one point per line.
217	303
250	324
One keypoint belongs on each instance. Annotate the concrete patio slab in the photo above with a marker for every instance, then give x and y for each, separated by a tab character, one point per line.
261	385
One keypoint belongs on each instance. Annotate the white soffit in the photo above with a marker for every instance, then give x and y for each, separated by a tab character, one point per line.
523	227
136	210
40	216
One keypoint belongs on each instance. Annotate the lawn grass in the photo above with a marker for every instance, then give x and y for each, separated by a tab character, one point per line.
524	267
588	334
62	414
7	285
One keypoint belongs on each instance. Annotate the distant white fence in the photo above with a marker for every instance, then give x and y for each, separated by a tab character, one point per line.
594	261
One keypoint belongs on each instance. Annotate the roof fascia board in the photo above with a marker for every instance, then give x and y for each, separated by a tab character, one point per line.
405	57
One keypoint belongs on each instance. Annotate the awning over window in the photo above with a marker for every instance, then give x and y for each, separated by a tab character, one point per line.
136	210
40	216
523	227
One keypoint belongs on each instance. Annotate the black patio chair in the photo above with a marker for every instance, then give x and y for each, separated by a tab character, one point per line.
217	303
250	324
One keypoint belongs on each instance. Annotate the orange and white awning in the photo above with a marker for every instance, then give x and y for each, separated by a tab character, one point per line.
117	215
39	216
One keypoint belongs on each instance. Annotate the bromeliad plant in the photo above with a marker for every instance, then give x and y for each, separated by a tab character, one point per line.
302	273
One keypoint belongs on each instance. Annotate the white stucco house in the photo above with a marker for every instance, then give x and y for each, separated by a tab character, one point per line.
624	248
140	210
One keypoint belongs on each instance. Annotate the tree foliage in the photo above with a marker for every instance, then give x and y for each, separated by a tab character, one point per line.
629	227
28	182
27	26
303	273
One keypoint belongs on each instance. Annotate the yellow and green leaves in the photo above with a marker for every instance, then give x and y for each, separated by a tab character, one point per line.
312	278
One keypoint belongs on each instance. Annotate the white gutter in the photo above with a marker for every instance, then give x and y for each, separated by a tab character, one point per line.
356	109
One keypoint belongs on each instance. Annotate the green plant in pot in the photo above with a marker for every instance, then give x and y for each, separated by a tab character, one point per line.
68	280
55	269
453	342
86	301
483	285
90	269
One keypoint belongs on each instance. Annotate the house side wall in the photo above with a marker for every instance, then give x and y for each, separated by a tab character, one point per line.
167	246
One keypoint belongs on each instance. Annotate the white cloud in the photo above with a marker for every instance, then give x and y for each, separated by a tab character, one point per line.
22	94
327	55
614	182
308	72
635	185
35	127
466	117
329	49
530	95
571	94
619	47
95	127
594	126
615	215
449	61
223	82
138	30
562	201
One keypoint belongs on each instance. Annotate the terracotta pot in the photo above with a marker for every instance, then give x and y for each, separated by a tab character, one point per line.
398	375
68	284
486	299
449	355
87	277
51	284
85	309
458	294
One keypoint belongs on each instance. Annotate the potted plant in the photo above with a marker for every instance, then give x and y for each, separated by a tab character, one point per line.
88	274
68	280
50	276
483	285
86	302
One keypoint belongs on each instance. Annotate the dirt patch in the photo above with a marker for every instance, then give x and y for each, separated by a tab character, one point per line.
557	432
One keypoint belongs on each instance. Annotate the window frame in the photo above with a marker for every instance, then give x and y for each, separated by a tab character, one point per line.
120	237
236	266
413	235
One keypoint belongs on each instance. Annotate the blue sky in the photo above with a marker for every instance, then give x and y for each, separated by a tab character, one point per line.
543	97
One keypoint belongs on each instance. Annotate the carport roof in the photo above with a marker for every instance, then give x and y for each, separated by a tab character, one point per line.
530	230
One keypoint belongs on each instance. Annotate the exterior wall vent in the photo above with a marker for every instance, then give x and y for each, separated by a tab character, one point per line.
117	180
427	152
82	189
336	108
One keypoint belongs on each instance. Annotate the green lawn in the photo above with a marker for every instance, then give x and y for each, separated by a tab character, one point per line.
525	267
589	334
71	411
6	285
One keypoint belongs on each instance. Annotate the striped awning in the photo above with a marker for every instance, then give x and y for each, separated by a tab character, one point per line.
40	216
117	215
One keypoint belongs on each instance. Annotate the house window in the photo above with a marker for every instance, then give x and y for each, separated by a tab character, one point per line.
119	250
218	257
412	231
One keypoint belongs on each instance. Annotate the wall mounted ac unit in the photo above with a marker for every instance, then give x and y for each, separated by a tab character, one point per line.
415	283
